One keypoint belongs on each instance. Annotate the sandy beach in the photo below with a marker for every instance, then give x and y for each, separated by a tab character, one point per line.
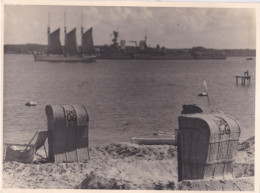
126	166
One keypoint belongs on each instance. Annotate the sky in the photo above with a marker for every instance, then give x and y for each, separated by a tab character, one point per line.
171	27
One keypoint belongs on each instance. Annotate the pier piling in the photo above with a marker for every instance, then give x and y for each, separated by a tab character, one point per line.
243	80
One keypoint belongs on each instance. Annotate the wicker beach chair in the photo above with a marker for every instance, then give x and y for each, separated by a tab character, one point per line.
25	152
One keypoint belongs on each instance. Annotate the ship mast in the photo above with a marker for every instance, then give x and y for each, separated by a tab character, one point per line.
117	29
48	30
65	30
145	36
81	31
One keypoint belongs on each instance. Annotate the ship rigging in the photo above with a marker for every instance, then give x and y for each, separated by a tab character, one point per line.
70	52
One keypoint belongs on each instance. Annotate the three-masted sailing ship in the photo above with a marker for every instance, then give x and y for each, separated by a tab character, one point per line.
70	52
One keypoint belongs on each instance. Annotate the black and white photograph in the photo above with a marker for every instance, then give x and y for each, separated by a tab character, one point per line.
129	96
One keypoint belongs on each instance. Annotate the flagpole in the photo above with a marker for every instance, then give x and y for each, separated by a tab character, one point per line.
208	98
206	88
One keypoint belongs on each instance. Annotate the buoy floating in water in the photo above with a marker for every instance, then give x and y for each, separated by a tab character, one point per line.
203	94
31	103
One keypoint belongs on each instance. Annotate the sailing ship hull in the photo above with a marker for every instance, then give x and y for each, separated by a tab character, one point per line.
62	58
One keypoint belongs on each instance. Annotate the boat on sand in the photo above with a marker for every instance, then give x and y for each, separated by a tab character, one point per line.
155	139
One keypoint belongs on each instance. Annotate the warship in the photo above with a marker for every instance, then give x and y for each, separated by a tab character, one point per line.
142	51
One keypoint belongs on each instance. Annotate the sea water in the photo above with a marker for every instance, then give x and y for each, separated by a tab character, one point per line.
124	98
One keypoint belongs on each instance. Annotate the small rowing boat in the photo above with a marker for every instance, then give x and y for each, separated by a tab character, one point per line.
203	94
155	139
31	103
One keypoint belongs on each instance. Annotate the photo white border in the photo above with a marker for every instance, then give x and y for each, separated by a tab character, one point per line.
213	4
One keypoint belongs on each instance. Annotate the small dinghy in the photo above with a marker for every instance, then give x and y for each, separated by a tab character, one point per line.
31	103
155	139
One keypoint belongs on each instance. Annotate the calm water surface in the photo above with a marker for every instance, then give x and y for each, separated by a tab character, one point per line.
124	98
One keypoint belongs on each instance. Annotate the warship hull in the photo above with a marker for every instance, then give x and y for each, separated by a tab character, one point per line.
143	56
210	57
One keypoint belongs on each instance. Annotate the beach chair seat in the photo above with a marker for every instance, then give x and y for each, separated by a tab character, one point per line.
25	152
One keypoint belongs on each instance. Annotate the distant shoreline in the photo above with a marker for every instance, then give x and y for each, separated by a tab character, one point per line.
31	48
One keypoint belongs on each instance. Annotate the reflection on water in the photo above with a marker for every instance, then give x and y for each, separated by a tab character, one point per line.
124	98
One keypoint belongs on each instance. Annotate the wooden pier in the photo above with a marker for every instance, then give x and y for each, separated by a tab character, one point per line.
243	80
